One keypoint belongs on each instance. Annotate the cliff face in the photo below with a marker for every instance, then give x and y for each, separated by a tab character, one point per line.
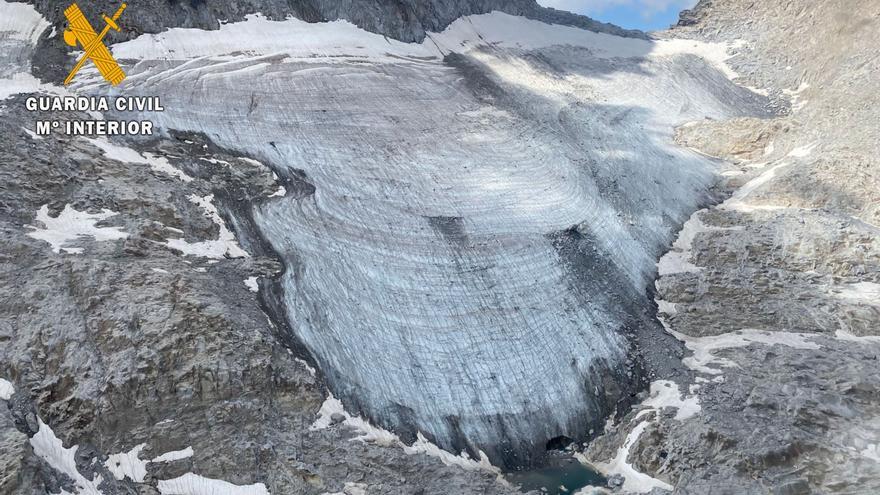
407	20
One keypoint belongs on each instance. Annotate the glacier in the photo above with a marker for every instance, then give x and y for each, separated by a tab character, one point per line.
470	223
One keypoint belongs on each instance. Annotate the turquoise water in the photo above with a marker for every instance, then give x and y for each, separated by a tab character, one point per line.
562	475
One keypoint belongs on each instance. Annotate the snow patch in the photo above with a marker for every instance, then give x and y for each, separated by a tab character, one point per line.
72	225
174	455
51	449
255	163
665	393
379	436
737	201
31	134
305	364
280	193
860	292
803	151
225	245
703	348
367	432
797	102
6	389
257	35
251	283
128	155
666	307
715	53
423	446
215	161
193	484
677	259
633	481
128	465
498	29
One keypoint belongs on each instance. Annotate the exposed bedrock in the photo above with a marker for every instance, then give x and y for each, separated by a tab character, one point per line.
406	20
469	252
776	291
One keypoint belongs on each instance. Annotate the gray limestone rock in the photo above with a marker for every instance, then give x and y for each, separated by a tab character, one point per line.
779	295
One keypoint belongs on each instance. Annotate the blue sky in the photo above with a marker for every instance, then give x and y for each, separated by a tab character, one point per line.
647	15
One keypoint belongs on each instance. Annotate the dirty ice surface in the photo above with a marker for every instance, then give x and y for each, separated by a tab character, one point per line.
435	271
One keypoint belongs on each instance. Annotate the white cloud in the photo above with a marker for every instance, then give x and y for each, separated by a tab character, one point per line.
646	8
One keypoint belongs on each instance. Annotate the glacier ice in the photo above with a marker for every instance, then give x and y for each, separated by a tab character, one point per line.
471	222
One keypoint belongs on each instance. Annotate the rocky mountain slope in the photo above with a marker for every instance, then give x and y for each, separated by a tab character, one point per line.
406	20
775	290
174	310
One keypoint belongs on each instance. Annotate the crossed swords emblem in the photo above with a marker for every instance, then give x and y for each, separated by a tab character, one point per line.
80	31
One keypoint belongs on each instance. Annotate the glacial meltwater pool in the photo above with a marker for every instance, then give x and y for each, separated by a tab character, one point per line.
562	475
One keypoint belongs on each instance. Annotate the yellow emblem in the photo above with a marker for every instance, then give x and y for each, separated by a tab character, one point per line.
80	31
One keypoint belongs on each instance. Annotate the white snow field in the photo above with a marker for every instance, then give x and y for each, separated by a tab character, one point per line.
488	206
